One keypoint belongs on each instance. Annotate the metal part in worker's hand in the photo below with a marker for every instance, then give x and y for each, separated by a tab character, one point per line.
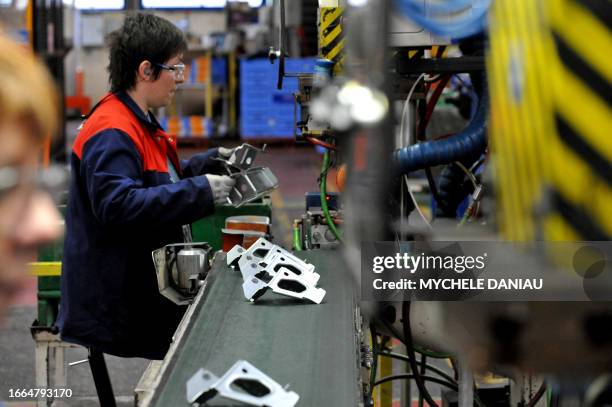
243	157
240	159
252	184
180	269
244	383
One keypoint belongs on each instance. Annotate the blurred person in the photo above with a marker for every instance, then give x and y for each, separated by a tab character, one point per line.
129	195
28	113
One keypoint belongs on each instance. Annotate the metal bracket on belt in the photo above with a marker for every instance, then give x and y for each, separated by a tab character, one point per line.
285	282
267	266
244	383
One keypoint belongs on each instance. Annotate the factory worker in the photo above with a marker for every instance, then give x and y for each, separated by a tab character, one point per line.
28	112
129	195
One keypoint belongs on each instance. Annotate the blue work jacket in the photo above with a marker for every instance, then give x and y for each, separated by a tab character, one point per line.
122	205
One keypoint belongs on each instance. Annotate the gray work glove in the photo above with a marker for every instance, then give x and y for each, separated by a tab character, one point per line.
221	185
225	152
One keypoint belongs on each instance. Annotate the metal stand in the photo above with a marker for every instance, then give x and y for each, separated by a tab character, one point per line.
50	363
102	381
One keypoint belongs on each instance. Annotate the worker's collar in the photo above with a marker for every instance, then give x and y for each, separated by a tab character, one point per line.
127	100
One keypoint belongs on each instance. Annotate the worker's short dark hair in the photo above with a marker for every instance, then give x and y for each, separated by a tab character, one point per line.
143	37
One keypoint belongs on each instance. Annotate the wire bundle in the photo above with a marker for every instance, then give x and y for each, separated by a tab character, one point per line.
448	18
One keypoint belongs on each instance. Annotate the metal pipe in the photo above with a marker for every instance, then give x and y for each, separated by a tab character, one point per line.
368	148
466	385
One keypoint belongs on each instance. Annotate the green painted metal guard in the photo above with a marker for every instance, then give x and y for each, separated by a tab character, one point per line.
49	286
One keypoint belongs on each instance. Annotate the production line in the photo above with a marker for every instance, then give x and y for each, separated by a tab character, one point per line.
462	258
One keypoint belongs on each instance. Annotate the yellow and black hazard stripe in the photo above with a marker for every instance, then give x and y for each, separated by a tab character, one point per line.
596	161
577	218
331	36
551	118
520	126
581	191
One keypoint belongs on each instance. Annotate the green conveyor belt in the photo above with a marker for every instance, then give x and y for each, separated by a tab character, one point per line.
308	346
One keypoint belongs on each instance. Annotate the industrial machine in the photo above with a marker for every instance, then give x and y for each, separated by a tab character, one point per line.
500	112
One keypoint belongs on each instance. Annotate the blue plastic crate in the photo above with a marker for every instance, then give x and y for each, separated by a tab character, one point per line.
265	110
219	70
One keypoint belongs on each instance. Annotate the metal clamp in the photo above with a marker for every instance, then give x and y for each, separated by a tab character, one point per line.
244	383
180	269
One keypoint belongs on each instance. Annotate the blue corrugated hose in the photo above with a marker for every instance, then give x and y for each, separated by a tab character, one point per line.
433	16
464	145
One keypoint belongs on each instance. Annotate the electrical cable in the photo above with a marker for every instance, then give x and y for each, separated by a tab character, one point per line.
478	163
423	372
407	103
318	142
374	352
467	144
431	105
537	396
432	184
296	237
453	364
433	369
428	366
406	376
430	353
431	79
423	126
469	174
420	137
416	205
402	144
323	193
410	347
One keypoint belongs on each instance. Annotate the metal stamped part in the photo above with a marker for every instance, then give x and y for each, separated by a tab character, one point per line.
243	382
267	266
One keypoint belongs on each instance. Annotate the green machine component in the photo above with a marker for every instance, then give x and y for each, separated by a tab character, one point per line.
48	295
49	286
208	229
